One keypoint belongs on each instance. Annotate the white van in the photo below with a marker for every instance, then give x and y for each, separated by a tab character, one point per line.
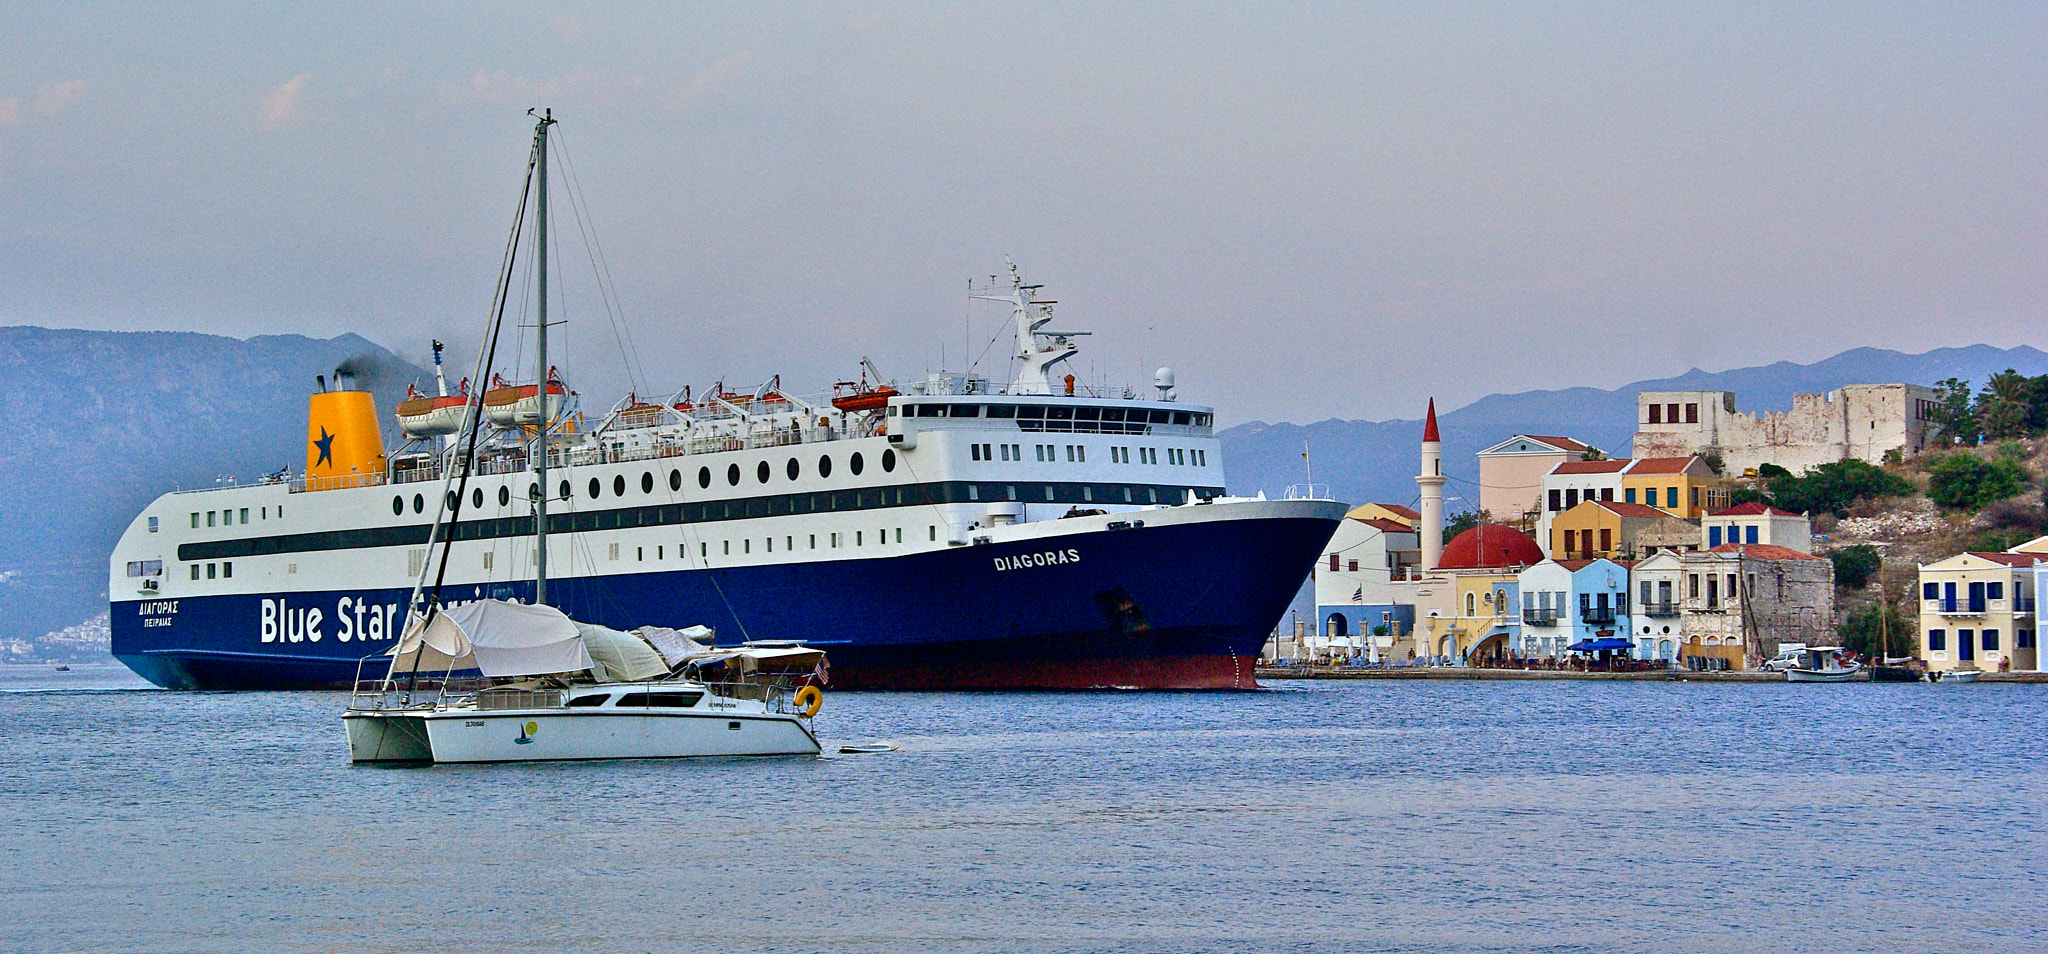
1787	657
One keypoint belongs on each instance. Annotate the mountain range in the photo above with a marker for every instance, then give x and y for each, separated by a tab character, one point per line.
99	423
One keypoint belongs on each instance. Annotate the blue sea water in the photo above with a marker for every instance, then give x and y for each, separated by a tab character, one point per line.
1423	816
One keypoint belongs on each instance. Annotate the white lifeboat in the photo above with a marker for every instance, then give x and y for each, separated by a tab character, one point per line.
508	404
429	415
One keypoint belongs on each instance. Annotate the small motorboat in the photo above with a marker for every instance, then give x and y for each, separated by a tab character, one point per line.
63	668
1823	664
1955	676
869	748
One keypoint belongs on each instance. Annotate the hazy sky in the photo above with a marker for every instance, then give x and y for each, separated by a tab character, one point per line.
1308	210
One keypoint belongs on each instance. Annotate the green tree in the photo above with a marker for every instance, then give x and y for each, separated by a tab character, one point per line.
1743	495
1461	522
1878	632
1954	413
1854	566
1968	482
2005	409
1833	487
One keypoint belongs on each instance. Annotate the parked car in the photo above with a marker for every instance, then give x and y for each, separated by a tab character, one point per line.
1787	657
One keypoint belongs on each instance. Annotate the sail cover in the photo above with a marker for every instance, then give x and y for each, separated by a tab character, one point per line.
497	637
623	657
676	646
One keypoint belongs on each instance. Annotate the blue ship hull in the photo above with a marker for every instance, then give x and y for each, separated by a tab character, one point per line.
1174	606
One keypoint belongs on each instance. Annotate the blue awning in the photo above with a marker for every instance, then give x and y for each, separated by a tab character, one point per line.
1600	645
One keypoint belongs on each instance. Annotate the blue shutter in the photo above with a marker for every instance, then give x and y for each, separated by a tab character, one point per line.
1713	537
1749	534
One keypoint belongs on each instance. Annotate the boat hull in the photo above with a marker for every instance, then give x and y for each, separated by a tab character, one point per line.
1822	675
555	735
1184	602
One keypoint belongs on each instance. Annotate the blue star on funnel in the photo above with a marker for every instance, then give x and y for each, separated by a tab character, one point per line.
326	445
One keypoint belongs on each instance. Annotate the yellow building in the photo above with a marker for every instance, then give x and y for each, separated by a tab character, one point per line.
1385	511
1682	486
1468	604
1610	530
1977	612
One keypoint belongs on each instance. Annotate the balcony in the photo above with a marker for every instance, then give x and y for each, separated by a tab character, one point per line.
1539	617
1664	609
1597	616
1959	607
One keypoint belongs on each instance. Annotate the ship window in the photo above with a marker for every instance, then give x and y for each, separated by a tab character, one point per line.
152	524
825	466
1152	494
419	504
855	463
1002	410
504	496
728	548
675	480
397	506
889	459
647	483
210	568
245	515
1162	417
1180	417
659	700
965	410
973	492
761	472
792	469
595	488
1087	494
1048	491
451	500
1059	413
858	536
564	494
704	477
732	474
227	572
619	485
195	521
590	702
1112	414
476	497
195	571
1127	495
1087	413
1031	412
209	518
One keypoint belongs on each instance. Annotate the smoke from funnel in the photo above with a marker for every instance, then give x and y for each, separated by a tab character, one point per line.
365	371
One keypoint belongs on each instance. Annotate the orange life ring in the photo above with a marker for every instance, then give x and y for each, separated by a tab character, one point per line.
810	699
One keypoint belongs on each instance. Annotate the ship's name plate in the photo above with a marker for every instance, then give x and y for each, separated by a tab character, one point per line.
1042	558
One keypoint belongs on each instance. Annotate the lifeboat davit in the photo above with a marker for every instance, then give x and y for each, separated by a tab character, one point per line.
508	404
873	399
430	415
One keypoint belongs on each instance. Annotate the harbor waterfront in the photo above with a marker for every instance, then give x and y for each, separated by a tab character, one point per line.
1313	815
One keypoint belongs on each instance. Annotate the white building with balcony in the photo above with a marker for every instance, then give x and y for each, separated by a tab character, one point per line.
1977	611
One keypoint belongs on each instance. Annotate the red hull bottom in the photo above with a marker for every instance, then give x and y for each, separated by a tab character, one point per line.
1179	672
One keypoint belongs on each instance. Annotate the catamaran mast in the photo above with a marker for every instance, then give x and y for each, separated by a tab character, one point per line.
540	337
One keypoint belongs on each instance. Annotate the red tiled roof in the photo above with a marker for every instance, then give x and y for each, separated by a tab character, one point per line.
1764	551
1489	545
1752	509
2009	559
1564	443
1384	525
1590	466
1429	426
1661	465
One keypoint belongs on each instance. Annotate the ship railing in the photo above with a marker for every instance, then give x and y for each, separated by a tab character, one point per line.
1308	492
339	482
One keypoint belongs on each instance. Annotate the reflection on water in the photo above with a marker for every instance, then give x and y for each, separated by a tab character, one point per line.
1398	815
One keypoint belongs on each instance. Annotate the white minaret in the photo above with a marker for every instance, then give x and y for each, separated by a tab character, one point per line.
1432	481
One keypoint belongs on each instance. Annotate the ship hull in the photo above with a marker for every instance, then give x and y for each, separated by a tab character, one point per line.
1184	602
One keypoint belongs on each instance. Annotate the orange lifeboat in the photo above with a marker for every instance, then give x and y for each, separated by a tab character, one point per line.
431	415
865	399
638	413
505	404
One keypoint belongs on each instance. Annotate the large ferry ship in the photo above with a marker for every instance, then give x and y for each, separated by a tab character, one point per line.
949	534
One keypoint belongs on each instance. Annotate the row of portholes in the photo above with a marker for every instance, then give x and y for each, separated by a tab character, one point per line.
762	472
792	470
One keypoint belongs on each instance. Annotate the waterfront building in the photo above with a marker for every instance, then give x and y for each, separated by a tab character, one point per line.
1657	625
1468	603
1387	511
1862	421
1756	523
1616	530
1511	475
1573	482
1567	601
1359	584
1682	486
1977	611
1742	601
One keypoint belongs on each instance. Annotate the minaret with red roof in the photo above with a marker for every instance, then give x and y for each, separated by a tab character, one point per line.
1431	479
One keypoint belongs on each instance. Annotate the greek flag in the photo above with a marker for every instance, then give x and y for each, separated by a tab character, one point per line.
1358	595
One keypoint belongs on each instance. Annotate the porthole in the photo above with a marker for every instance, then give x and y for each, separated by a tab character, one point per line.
619	485
565	491
675	480
732	474
397	506
595	488
761	472
647	483
854	464
476	497
704	477
504	496
889	461
793	469
825	466
452	500
419	504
